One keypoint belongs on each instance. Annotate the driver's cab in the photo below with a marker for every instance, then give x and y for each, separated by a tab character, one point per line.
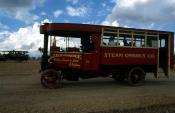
75	50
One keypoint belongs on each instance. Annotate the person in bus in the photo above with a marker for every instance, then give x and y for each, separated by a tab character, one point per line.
125	42
90	46
111	41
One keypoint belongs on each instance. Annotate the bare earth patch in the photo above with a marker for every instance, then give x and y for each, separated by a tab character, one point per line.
21	92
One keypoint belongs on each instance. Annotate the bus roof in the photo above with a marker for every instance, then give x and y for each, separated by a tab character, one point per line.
63	28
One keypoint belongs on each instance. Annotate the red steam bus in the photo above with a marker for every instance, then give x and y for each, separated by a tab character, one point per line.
72	51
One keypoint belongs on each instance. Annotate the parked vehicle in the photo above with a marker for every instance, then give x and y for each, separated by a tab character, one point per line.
14	55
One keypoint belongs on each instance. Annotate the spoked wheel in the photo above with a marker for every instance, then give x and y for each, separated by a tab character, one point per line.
51	79
136	76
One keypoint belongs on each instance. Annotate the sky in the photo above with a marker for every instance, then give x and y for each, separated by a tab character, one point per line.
20	19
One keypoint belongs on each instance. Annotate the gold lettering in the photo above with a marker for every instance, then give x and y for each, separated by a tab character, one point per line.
106	55
150	56
68	56
126	55
75	60
74	64
132	55
113	55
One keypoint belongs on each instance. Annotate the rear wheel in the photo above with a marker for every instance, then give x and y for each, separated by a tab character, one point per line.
50	78
136	76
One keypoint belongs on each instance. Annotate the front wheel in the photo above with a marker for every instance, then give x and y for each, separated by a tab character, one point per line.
136	76
51	79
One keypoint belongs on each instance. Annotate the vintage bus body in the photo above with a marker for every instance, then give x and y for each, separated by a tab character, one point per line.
135	52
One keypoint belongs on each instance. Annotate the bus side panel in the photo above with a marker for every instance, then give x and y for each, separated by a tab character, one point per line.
87	61
128	56
172	51
67	60
90	61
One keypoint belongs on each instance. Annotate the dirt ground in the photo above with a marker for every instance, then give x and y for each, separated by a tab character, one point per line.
21	92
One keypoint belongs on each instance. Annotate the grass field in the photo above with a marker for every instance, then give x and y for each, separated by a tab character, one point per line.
21	92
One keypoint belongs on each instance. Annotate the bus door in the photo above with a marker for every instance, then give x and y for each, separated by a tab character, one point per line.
91	54
164	53
90	61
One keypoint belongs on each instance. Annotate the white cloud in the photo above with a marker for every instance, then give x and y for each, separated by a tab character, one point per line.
142	13
20	9
46	21
108	23
27	38
4	35
115	23
57	13
26	16
80	11
91	22
130	3
73	1
151	14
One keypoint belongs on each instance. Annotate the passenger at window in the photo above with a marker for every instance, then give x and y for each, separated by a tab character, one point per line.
111	41
134	43
90	47
125	42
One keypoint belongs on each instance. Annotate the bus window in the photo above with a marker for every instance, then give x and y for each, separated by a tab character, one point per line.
120	41
152	41
68	44
139	41
109	39
125	40
162	43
